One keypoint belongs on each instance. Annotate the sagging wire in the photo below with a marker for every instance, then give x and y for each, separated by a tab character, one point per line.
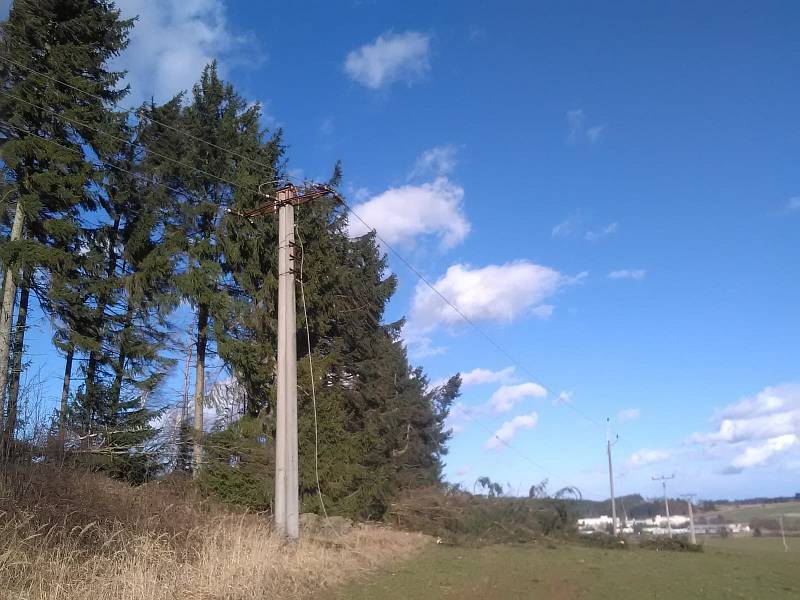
311	373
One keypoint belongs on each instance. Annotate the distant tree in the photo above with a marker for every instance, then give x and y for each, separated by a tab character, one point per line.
491	488
538	490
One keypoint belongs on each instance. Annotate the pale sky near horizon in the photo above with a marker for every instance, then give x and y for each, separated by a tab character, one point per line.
611	193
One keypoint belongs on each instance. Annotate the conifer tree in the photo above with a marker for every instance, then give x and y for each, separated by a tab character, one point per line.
218	115
52	51
131	293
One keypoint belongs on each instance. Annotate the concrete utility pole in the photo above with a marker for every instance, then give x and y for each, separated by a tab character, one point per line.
286	494
663	481
692	536
287	504
611	479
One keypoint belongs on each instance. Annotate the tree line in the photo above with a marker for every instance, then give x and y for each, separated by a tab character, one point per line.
120	225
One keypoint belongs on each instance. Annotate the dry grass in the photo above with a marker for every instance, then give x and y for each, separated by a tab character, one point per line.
80	536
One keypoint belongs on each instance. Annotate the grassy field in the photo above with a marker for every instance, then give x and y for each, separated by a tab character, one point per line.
745	513
732	568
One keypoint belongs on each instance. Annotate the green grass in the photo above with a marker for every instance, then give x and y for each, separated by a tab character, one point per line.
730	568
745	513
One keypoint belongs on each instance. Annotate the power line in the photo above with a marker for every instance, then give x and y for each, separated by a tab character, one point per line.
97	163
516	450
562	398
503	442
75	122
311	372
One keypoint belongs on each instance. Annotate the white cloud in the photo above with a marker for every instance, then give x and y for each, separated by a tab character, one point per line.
593	133
172	42
575	119
391	57
574	225
610	229
773	412
327	126
507	396
577	131
495	292
768	401
564	397
635	274
756	429
480	376
792	205
507	430
420	345
629	414
439	161
460	472
458	417
646	457
756	456
401	215
566	227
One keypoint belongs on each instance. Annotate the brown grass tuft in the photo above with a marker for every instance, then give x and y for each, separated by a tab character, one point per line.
78	536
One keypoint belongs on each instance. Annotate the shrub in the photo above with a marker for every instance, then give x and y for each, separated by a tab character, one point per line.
676	544
459	517
602	540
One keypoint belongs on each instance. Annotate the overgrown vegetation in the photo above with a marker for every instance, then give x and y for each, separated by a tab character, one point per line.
458	517
674	544
70	535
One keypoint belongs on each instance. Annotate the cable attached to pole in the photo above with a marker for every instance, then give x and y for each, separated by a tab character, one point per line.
311	372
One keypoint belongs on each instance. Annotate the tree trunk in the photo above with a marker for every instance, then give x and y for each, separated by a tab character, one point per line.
119	368
100	313
62	416
6	312
16	368
182	460
199	386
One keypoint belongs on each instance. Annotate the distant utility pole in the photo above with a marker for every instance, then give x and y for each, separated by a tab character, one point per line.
689	498
287	505
611	478
783	535
663	481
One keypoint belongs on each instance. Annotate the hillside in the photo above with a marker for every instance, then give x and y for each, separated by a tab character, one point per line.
763	514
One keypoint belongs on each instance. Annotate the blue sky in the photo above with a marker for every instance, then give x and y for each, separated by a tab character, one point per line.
610	193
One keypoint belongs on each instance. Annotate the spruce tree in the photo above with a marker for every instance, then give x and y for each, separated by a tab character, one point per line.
131	293
202	191
52	51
